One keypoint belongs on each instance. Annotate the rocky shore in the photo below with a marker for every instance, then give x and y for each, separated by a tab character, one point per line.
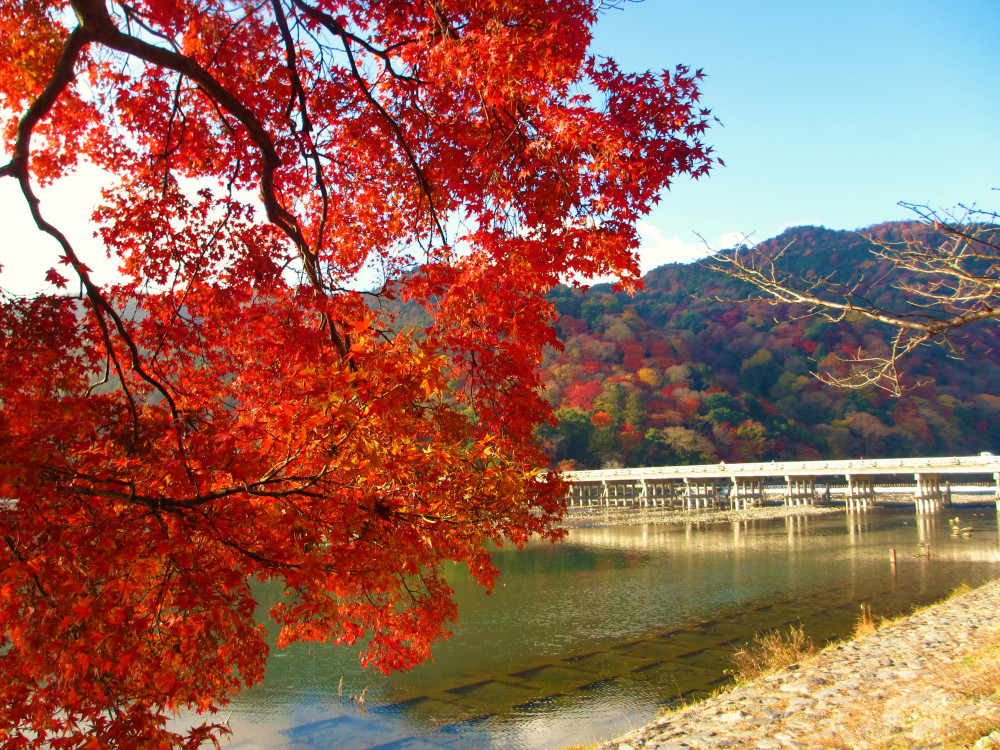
928	681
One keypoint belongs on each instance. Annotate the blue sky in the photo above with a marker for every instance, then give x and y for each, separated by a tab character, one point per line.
831	113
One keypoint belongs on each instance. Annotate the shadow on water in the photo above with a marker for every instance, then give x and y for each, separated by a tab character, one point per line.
592	637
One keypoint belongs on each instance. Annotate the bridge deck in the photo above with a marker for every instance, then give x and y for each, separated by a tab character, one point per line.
743	484
982	464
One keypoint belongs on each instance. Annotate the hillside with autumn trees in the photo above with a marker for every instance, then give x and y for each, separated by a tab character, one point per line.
683	372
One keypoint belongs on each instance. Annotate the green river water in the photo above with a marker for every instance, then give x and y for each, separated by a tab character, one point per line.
591	637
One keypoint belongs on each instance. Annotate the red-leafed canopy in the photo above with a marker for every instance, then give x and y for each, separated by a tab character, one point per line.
233	408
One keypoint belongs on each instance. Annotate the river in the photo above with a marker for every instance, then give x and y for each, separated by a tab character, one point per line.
591	637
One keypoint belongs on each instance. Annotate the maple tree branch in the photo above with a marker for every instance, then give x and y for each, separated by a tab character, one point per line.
333	25
302	136
20	558
97	21
168	150
336	28
60	79
256	557
259	488
306	148
298	92
62	76
132	15
100	307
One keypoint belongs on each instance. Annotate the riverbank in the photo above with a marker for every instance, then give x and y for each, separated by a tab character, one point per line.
927	681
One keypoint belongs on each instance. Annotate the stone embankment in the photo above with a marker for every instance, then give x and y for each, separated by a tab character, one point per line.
927	681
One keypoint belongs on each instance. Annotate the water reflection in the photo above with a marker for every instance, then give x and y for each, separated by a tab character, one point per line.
796	527
925	527
584	639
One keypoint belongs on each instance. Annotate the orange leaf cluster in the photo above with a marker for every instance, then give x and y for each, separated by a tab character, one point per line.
234	408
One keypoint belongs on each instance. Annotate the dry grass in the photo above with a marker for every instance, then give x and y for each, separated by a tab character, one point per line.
866	624
962	588
774	650
770	652
978	674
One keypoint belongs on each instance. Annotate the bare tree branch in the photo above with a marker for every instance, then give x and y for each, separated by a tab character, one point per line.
945	278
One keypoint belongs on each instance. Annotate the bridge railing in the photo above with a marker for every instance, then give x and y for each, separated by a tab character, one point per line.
982	464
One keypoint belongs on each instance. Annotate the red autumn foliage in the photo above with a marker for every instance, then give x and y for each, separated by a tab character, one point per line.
233	409
582	395
601	419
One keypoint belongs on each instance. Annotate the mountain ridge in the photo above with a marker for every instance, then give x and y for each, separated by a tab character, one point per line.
677	374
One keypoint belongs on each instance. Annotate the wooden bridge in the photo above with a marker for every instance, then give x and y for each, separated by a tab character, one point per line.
794	482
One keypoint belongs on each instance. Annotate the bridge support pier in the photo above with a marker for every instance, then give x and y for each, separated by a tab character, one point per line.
746	492
650	493
860	492
699	493
666	491
616	490
574	494
928	496
801	490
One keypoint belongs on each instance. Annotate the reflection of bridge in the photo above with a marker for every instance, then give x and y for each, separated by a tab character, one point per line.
742	485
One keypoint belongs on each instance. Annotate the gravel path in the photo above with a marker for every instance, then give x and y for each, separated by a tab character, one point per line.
927	681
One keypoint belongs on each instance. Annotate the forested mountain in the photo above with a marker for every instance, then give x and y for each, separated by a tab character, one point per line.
672	375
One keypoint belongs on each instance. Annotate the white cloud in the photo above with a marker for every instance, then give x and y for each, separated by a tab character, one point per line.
731	239
26	253
655	249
